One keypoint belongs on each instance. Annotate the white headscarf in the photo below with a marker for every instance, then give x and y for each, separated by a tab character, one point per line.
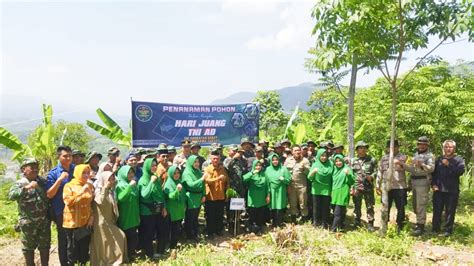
104	176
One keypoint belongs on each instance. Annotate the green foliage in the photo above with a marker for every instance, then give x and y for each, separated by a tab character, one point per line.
71	134
325	104
9	213
12	142
111	130
272	118
3	168
42	145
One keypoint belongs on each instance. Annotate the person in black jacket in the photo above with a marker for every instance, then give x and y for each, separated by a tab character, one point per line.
445	185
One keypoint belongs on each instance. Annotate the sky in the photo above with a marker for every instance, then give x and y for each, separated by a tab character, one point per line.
101	54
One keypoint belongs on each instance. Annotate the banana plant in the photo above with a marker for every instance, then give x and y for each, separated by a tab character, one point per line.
12	142
111	130
335	131
44	146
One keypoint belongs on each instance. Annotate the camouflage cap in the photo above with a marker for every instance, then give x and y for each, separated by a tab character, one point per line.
162	149
28	161
240	149
246	140
287	141
91	154
310	142
361	143
329	144
304	146
113	151
277	145
171	149
140	151
338	146
423	140
233	147
258	149
151	152
323	144
195	144
77	152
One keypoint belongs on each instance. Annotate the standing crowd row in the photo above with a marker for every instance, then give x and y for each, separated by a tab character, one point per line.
110	212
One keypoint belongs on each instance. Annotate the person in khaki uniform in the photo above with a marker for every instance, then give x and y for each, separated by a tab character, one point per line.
421	167
217	183
298	166
397	188
180	159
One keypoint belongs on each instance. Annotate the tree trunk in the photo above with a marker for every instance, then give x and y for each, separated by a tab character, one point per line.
387	183
350	112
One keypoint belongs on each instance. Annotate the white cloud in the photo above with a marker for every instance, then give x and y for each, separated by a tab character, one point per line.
246	7
295	32
57	69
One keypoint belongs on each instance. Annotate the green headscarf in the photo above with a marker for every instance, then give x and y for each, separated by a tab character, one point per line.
122	174
147	171
190	170
171	183
272	170
324	169
258	179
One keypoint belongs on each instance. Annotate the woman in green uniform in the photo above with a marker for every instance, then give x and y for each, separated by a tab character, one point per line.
342	180
258	197
320	176
278	180
175	202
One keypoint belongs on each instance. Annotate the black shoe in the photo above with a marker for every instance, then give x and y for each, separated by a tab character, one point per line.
293	219
446	234
370	226
357	222
419	230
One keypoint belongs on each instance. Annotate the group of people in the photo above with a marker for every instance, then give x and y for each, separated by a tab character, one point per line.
107	212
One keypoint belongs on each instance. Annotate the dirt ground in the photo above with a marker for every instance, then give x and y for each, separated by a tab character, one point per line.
425	252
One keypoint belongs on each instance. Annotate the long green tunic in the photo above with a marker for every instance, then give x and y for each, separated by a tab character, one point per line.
342	183
149	191
277	187
321	182
193	183
258	187
127	200
175	199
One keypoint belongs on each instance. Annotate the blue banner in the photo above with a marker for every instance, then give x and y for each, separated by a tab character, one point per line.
155	123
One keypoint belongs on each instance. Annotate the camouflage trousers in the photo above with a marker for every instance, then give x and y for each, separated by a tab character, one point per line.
369	198
36	235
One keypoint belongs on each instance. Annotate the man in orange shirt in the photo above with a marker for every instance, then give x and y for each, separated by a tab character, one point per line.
217	183
163	165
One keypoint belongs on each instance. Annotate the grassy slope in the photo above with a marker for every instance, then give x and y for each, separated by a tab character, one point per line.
310	245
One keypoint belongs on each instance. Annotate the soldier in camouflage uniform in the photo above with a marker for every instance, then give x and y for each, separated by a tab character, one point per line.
364	167
34	223
421	168
235	164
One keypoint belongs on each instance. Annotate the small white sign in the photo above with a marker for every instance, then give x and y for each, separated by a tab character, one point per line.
237	204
